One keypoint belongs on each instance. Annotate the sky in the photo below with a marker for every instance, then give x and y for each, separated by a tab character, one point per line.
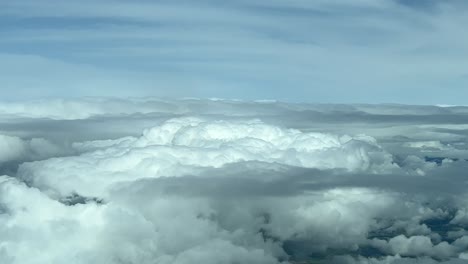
240	131
329	51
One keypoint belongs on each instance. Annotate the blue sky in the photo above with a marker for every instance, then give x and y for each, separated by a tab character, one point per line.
341	51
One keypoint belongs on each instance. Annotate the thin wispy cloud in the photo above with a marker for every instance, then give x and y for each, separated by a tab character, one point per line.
316	51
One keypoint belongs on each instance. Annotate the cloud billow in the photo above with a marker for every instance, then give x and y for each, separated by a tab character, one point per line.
220	181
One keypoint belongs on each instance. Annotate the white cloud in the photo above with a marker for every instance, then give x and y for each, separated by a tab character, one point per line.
179	146
416	246
16	149
223	181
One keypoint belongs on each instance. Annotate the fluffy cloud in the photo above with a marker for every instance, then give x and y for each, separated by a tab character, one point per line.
257	182
14	148
182	146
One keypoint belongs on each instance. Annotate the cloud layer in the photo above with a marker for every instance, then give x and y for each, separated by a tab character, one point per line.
315	51
103	180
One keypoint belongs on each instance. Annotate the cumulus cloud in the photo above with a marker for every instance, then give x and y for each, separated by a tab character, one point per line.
179	146
14	148
219	181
